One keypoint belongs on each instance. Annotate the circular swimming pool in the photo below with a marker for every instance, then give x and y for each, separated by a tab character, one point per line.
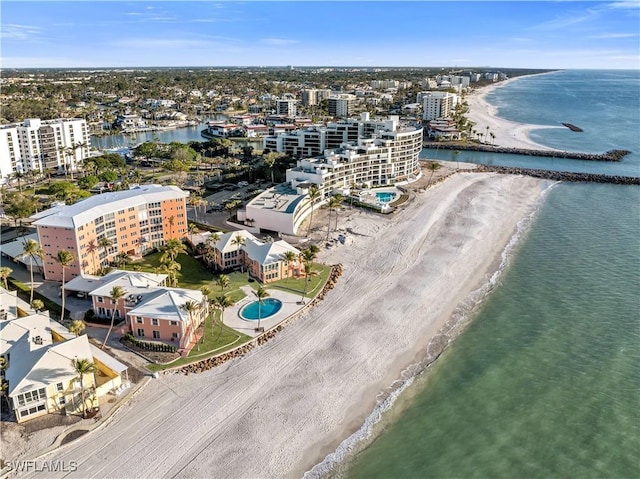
269	307
385	196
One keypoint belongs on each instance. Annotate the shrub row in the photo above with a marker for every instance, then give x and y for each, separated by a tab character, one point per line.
158	347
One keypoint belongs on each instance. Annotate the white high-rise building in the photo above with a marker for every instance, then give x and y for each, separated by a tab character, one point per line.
341	105
40	145
314	96
366	152
437	104
286	107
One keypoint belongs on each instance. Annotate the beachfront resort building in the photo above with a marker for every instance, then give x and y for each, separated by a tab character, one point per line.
264	261
43	145
351	152
133	221
39	355
437	104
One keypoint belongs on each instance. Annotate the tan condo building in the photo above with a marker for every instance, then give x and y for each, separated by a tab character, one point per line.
133	221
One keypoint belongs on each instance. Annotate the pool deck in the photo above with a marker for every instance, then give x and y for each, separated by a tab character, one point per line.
289	306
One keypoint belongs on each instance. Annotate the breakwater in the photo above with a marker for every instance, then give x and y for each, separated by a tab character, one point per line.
611	155
563	175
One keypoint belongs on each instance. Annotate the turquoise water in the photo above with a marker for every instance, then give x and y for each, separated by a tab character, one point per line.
385	197
255	310
545	381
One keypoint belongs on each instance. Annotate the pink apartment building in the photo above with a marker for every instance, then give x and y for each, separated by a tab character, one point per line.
152	312
134	221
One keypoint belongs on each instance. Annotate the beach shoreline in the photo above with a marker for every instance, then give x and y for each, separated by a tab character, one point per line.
508	134
286	405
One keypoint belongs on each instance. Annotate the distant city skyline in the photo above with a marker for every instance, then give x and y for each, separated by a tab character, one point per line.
507	34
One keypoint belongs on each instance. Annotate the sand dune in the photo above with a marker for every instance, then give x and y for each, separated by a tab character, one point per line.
281	409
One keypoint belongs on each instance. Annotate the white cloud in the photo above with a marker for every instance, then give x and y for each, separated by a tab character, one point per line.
631	5
19	32
278	41
615	35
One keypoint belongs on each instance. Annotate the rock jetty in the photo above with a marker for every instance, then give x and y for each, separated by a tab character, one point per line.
563	175
611	155
205	364
573	127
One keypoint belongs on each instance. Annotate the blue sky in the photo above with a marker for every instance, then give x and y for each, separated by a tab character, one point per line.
542	34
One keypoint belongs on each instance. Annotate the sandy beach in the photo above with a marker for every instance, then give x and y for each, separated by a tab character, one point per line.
282	408
509	134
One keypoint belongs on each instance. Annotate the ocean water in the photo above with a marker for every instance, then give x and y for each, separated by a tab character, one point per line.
545	382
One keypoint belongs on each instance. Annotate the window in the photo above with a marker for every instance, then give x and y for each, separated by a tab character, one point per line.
100	299
59	387
62	400
139	320
141	332
174	323
154	322
156	335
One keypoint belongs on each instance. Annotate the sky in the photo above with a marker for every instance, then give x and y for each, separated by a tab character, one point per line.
508	34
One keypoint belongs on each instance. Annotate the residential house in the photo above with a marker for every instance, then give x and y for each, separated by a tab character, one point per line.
40	373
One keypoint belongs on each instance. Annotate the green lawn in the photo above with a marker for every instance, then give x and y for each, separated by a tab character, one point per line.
297	284
193	276
214	342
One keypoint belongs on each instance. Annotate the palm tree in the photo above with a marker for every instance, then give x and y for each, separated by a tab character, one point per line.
221	302
314	194
105	243
191	307
223	281
433	167
270	160
77	326
339	199
210	254
122	259
289	257
307	256
334	202
32	249
261	294
117	292
82	367
92	248
193	229
456	153
206	292
171	268
171	220
238	241
5	272
308	272
173	248
37	304
64	258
